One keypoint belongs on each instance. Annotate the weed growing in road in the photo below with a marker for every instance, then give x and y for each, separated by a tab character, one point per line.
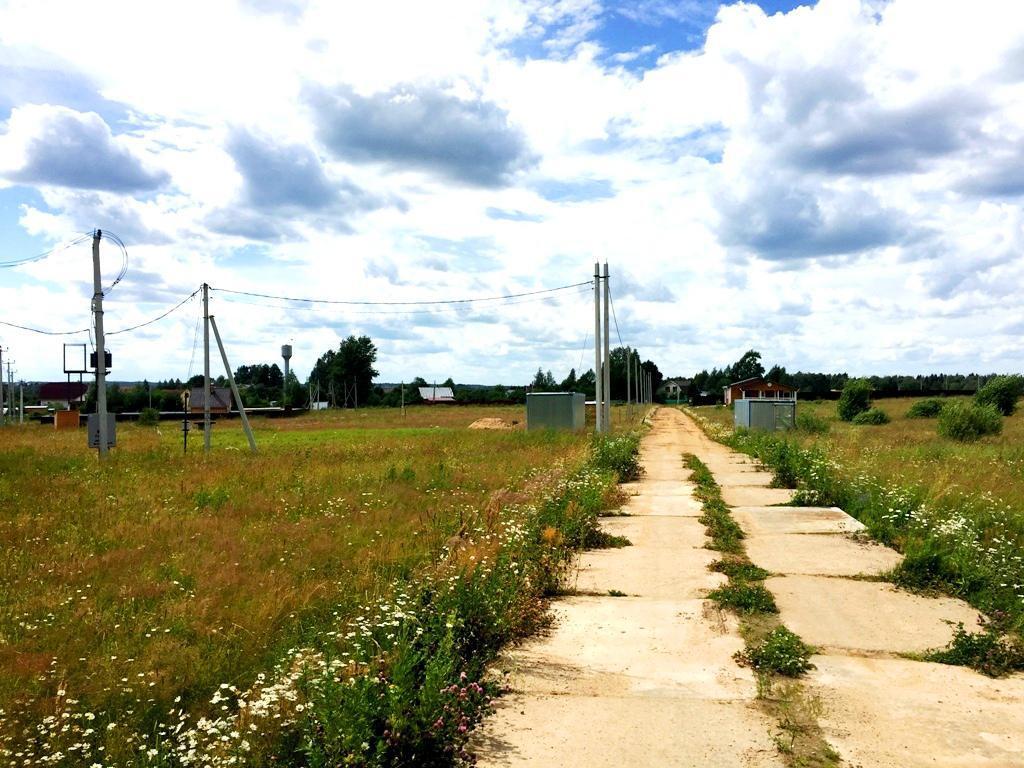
988	651
726	535
619	454
739	569
743	597
782	652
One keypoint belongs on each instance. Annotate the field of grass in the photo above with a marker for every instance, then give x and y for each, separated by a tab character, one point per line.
144	593
955	509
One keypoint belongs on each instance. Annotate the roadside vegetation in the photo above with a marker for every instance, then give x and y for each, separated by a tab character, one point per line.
777	656
954	509
331	601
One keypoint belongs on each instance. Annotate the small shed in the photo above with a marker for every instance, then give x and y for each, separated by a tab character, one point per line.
62	395
770	415
437	394
556	410
220	400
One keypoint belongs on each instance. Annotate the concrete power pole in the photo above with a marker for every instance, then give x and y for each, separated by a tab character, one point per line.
629	362
206	368
607	355
3	413
598	373
101	351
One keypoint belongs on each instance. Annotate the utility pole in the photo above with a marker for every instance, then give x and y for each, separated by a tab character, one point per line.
234	388
21	405
629	362
607	355
206	368
403	398
598	372
101	352
3	413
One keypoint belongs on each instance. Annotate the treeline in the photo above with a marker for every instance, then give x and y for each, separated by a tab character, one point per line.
708	385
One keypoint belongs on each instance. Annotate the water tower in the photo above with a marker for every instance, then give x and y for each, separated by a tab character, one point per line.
286	353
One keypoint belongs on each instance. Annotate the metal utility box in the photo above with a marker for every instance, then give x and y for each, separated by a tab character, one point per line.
556	410
94	430
767	414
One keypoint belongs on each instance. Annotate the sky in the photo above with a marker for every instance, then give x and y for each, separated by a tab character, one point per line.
836	184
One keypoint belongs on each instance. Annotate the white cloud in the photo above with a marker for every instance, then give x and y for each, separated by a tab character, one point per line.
835	185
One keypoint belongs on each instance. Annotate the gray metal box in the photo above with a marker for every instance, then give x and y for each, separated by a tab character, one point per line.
556	410
94	430
767	414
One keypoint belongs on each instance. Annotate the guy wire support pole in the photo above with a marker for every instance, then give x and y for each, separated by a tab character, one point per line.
234	387
598	374
607	355
101	352
206	368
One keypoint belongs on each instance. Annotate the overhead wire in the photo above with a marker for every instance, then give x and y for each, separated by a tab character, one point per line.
39	257
157	318
532	298
425	302
611	300
42	331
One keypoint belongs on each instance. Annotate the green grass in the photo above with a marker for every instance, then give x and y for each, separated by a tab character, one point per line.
306	580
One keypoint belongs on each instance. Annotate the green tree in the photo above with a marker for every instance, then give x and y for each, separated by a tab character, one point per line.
569	383
544	382
1001	392
856	398
747	367
351	365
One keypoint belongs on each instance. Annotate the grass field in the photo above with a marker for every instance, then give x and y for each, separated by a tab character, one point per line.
132	594
955	509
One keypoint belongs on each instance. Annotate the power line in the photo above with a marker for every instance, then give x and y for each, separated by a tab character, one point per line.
39	257
611	300
400	303
157	318
407	312
43	332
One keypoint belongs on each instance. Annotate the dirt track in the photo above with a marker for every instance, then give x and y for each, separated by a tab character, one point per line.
649	679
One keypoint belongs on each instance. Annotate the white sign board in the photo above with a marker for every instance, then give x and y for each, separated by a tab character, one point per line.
94	430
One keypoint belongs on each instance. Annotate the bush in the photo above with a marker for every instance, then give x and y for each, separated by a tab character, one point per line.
1001	392
928	408
856	398
986	652
739	570
967	422
782	652
871	416
148	417
810	423
618	454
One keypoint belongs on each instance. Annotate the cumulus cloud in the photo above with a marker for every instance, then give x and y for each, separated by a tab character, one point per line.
422	127
58	146
282	183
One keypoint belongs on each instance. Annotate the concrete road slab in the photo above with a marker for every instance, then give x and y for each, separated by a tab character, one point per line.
865	615
685	576
651	487
767	520
749	496
603	732
821	554
892	713
672	506
733	478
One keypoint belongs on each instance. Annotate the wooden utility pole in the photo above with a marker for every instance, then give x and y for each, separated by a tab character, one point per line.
101	351
206	368
598	372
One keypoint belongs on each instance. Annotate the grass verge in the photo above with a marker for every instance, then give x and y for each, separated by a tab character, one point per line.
777	655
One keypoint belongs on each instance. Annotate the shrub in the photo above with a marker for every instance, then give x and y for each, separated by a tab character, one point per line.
744	597
148	417
811	423
967	422
781	652
985	651
1001	392
928	408
871	416
739	570
856	397
618	454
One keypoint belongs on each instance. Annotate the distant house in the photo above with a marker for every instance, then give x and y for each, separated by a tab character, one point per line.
220	400
676	389
757	387
62	395
437	394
